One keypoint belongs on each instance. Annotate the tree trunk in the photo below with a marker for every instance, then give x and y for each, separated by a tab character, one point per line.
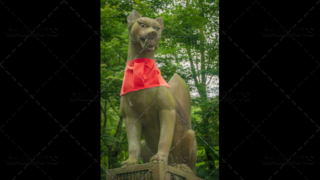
203	66
194	76
104	112
117	146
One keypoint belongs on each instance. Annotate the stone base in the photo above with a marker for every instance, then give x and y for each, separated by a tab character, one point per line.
149	171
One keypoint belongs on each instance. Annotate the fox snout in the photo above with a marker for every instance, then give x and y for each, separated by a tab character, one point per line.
150	34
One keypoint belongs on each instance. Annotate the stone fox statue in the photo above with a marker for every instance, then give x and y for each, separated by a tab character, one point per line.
158	111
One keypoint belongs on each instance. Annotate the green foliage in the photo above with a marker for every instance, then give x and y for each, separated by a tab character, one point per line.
191	36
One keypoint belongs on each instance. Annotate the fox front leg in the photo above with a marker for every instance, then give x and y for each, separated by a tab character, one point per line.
133	128
167	118
167	122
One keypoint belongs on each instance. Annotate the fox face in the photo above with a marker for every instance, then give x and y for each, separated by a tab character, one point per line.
144	32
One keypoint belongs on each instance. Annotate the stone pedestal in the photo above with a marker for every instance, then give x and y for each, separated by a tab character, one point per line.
149	171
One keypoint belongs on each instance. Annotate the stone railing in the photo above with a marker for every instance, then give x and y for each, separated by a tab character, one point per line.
149	172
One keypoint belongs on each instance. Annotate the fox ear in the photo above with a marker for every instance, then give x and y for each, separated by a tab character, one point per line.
132	18
160	21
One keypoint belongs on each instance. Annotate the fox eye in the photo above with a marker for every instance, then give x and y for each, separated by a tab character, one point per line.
142	25
156	28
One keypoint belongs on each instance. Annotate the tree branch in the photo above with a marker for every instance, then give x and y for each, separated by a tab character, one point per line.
113	107
209	81
119	127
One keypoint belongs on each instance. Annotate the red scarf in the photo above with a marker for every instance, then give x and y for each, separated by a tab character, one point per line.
141	74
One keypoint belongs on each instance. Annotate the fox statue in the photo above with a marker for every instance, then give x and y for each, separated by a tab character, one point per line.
160	112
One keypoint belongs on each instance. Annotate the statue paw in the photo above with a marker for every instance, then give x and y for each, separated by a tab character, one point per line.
159	158
129	162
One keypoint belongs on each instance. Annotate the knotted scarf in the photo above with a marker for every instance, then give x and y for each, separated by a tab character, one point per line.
141	74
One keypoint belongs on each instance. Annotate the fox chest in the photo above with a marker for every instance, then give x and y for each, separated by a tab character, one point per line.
142	106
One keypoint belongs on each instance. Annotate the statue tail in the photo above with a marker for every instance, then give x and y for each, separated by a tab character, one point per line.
181	93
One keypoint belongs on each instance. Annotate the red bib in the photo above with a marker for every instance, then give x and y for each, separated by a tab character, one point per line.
141	74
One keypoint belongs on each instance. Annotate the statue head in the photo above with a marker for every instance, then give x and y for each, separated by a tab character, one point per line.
144	32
